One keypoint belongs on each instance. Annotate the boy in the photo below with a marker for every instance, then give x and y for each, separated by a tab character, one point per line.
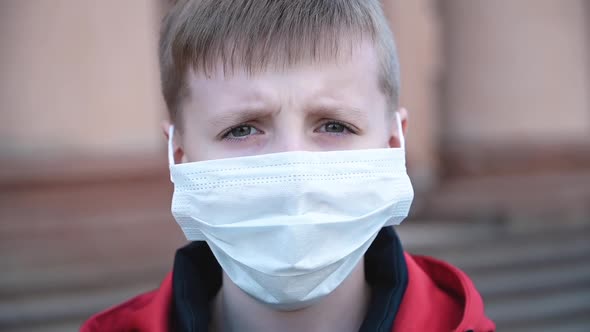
287	156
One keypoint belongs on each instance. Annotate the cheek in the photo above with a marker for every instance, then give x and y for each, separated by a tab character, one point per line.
192	154
370	140
377	136
196	147
214	149
376	142
249	147
328	142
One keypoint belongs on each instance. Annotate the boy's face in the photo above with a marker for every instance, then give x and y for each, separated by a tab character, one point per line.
315	107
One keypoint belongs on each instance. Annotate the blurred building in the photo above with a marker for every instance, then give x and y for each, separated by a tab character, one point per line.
499	100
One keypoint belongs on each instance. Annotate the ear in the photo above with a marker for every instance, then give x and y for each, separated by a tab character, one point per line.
178	151
395	139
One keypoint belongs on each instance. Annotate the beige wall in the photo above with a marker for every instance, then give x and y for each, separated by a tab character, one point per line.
517	71
78	77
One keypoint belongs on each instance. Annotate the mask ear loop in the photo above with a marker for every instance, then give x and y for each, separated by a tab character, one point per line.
402	140
171	149
171	146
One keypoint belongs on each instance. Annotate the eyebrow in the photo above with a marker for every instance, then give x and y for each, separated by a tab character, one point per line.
245	113
241	114
336	110
354	113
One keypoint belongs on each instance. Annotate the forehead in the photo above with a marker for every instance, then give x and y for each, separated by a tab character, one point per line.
351	76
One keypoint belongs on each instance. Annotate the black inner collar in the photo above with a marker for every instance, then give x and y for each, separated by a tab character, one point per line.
197	279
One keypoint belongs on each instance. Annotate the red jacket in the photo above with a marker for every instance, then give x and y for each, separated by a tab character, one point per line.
439	297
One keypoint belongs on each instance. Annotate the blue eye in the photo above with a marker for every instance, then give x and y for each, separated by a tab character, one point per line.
241	132
335	127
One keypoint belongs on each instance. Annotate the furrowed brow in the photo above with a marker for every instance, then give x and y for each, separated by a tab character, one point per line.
237	115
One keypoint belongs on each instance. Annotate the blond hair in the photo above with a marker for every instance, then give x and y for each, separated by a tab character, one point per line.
257	34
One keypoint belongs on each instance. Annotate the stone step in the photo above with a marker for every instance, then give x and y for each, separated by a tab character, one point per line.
507	282
70	325
554	306
72	306
484	253
574	323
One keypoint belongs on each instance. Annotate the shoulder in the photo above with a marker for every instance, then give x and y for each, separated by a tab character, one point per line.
146	312
440	297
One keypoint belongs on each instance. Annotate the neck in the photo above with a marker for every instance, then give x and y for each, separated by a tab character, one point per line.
343	310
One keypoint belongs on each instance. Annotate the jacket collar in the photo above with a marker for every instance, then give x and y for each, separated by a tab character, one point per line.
440	297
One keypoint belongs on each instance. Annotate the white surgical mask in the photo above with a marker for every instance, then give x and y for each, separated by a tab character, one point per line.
288	228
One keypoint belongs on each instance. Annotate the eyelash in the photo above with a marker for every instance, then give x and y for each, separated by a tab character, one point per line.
346	126
225	134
